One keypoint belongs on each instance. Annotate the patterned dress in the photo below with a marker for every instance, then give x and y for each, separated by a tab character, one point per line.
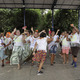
20	53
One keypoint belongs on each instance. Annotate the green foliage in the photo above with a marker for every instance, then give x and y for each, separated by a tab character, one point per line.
11	18
63	19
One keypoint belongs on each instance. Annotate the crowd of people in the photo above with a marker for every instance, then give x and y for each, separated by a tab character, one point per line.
16	47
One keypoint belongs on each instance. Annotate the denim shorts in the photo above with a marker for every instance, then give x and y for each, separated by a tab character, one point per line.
53	49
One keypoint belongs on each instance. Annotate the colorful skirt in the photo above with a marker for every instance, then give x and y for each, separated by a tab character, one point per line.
20	54
39	56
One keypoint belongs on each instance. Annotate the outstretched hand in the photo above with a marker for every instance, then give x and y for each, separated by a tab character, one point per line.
32	29
43	30
49	29
72	25
58	30
14	29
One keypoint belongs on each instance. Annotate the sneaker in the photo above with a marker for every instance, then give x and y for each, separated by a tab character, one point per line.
40	73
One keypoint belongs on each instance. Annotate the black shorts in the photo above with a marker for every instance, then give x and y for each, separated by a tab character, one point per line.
75	50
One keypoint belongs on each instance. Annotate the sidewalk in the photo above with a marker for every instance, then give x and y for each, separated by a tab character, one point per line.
57	72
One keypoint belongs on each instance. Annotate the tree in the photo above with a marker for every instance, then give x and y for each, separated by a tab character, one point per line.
63	19
11	18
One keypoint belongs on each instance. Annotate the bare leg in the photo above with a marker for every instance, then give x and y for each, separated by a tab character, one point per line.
75	59
19	66
52	58
40	66
3	63
67	56
63	58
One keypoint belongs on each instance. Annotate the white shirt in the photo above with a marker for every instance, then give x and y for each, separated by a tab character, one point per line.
61	37
6	41
28	38
1	46
18	41
32	42
55	38
42	44
75	38
79	38
65	43
3	38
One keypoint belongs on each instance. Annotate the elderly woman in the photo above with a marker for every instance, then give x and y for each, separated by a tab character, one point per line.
17	49
74	44
21	49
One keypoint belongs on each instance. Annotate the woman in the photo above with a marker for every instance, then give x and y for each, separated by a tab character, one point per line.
16	57
2	53
74	44
65	48
41	46
53	46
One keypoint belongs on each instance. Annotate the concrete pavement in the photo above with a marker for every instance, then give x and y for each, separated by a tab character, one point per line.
57	72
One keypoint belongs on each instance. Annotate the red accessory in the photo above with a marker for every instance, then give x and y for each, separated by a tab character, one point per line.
24	27
49	32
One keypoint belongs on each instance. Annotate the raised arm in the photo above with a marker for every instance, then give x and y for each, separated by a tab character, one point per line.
57	32
14	31
32	30
42	31
72	25
12	34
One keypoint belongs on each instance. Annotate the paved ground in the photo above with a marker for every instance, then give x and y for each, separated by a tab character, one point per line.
57	72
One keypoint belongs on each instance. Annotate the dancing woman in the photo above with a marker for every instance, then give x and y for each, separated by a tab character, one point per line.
16	57
53	46
40	55
74	44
